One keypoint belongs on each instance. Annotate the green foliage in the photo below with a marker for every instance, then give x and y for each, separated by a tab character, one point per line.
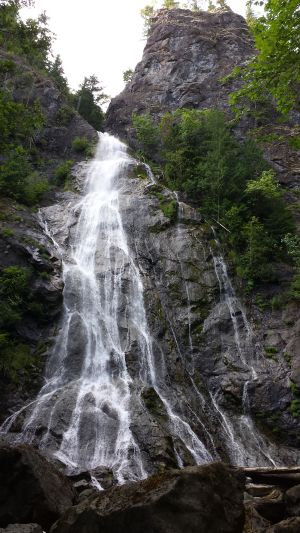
127	75
15	357
81	145
13	288
7	232
169	4
228	180
276	69
65	115
294	142
88	100
170	209
30	38
147	133
147	13
56	72
292	243
63	172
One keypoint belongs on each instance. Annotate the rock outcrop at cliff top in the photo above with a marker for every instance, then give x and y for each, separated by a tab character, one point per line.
185	59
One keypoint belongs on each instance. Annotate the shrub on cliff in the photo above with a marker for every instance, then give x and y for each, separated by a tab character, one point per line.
227	179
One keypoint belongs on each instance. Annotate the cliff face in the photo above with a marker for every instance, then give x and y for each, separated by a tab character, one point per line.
185	59
23	241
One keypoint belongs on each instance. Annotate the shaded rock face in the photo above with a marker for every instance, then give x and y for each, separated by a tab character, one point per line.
185	59
62	124
197	499
31	489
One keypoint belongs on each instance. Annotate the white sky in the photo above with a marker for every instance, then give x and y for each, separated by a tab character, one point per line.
102	37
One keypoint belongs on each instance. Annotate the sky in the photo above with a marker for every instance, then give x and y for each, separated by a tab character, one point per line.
101	37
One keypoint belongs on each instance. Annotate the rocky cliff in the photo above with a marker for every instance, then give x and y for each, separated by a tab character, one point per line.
186	58
23	240
185	61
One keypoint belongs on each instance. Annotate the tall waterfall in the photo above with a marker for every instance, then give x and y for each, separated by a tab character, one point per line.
88	386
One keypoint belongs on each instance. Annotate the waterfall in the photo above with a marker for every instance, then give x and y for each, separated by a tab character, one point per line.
83	413
245	444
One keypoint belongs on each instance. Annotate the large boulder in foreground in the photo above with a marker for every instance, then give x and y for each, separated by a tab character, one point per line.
198	499
31	488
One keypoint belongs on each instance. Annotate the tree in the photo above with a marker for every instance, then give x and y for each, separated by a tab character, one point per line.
147	13
88	99
170	4
127	75
275	70
250	15
211	5
222	3
56	72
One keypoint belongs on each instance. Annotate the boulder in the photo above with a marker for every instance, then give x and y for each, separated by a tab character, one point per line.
291	525
197	499
31	488
292	501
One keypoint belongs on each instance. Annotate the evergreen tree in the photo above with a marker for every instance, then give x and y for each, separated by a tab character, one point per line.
170	4
56	72
147	13
88	99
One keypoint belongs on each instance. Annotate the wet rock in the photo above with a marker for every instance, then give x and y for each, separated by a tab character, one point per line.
290	525
197	499
22	528
31	488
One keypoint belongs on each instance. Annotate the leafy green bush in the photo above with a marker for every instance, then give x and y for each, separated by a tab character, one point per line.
63	172
15	357
228	180
7	232
80	145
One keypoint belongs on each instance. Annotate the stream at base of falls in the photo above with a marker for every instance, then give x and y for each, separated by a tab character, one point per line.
86	413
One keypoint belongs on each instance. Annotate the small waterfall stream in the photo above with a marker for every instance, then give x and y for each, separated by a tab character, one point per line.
246	445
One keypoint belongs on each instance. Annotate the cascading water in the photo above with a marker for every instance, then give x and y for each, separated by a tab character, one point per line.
246	445
88	386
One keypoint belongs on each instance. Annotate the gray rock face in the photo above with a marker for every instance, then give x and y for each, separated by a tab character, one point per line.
185	59
62	124
31	488
197	500
203	342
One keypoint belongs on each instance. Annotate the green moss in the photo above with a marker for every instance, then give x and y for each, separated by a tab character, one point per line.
7	232
270	351
294	408
288	358
294	142
170	210
15	358
153	403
